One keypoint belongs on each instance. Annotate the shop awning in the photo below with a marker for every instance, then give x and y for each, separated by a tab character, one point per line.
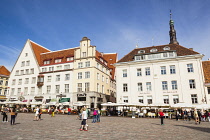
64	100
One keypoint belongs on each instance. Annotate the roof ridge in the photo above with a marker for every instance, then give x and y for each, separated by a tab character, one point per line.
58	50
39	45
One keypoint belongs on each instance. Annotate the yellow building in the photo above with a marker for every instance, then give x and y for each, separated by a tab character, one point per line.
4	76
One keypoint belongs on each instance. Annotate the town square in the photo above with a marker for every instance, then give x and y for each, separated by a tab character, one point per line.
104	69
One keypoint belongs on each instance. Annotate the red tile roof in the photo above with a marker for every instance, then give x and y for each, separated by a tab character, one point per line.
181	51
111	59
4	71
38	50
63	54
206	71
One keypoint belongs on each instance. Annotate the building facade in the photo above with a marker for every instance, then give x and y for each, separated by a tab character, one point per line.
4	76
80	75
162	75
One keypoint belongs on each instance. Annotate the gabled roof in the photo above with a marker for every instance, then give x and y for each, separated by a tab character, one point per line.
4	71
63	54
206	71
111	58
181	51
38	49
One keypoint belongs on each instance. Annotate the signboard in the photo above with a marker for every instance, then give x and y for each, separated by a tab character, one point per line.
21	98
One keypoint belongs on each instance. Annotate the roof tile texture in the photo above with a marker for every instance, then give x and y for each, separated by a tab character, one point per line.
4	71
206	70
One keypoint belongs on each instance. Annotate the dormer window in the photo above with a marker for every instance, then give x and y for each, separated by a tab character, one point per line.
101	59
141	51
58	60
153	50
46	62
70	58
166	48
105	63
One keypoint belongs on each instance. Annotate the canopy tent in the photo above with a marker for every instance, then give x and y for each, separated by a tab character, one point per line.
182	105
79	104
202	106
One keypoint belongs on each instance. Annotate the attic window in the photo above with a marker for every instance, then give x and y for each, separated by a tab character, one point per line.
58	60
46	62
70	58
141	51
153	50
166	48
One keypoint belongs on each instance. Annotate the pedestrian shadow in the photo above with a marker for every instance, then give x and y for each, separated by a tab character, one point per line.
203	129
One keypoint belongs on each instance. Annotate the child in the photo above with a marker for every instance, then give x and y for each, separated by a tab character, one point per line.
84	120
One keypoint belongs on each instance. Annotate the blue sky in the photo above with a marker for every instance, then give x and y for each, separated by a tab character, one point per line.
114	26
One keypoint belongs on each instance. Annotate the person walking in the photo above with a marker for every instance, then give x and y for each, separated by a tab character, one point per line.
196	116
84	120
95	113
40	114
177	115
53	112
98	116
13	116
161	116
189	115
5	113
36	114
69	110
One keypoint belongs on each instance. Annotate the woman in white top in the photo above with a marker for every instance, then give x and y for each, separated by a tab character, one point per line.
36	114
84	120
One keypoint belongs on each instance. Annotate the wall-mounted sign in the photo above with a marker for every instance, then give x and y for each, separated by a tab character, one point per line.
21	98
81	95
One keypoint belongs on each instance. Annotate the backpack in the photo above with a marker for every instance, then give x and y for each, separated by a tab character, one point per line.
95	112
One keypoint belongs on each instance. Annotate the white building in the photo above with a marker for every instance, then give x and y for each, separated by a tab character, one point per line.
165	74
79	75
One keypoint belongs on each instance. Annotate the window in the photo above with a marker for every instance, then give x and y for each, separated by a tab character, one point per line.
12	91
125	87
102	89
208	88
19	91
59	67
32	90
79	87
147	71
17	72
176	99
171	54
172	69
27	63
153	50
79	75
57	78
125	99
80	65
32	71
148	86
87	64
1	82
165	54
70	58
51	68
23	64
22	72
57	88
125	73
140	57
27	71
58	60
97	87
194	98
107	80
140	88
174	85
87	74
87	87
138	72
163	70
66	88
149	99
26	80
166	99
98	66
164	85
33	80
98	76
190	67
44	69
141	51
166	48
6	84
83	54
49	78
66	67
40	90
20	82
192	83
25	90
141	99
102	78
46	62
13	82
26	54
67	77
48	89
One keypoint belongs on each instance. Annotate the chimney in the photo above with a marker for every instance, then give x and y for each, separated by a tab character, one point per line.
191	49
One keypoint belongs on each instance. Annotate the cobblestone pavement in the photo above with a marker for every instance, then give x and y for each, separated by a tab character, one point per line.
64	127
